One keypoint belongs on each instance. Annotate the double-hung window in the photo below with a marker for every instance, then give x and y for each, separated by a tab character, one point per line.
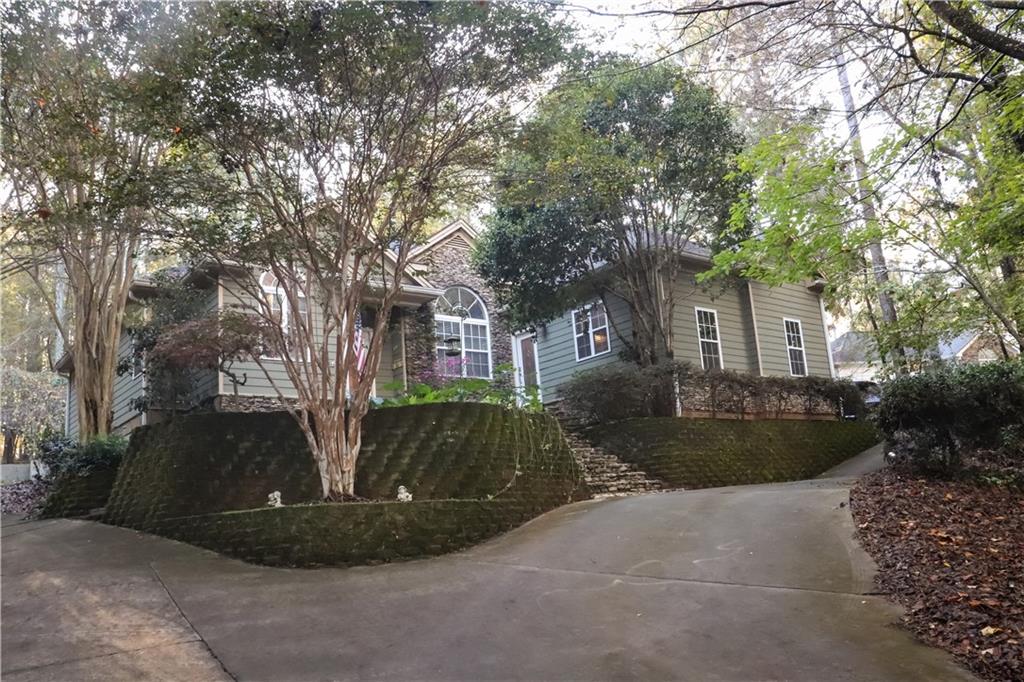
461	315
708	339
281	313
590	329
795	347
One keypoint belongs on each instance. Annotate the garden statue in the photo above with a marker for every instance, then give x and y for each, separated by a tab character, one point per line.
403	494
274	499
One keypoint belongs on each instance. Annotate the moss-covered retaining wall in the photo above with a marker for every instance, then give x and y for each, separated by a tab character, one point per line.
208	463
703	453
474	470
74	495
348	534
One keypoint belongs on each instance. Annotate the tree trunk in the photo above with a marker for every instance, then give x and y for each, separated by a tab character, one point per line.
10	445
335	441
1012	276
865	200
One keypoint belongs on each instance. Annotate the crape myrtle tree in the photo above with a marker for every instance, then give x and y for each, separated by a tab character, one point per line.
87	167
620	171
340	129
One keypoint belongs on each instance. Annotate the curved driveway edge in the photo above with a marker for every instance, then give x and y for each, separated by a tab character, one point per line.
748	583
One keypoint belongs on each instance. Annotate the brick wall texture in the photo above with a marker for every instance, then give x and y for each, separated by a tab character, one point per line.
77	495
347	534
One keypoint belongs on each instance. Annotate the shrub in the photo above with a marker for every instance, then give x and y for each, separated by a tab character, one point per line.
66	457
621	391
624	391
932	419
435	388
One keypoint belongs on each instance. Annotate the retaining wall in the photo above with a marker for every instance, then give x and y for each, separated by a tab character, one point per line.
703	453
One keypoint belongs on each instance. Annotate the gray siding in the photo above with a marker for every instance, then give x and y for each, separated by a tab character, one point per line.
793	301
71	428
556	349
273	375
734	323
126	389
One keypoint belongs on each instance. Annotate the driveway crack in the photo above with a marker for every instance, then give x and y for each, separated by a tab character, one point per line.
696	581
192	627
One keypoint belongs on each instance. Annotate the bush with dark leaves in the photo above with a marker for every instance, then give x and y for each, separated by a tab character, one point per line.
934	418
66	457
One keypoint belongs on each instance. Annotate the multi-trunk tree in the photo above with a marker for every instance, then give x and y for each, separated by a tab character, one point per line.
87	170
338	131
620	172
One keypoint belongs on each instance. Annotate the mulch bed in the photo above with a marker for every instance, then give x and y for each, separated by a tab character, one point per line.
23	497
951	553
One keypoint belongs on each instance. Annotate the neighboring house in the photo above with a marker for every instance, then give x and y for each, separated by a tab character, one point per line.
856	357
750	327
442	299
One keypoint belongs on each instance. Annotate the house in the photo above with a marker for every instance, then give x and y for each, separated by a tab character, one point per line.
750	327
856	358
443	304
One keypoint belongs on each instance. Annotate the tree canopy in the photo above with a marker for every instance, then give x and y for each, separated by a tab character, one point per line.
619	170
334	133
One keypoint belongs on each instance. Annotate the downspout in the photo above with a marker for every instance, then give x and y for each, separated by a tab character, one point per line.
405	360
220	309
828	345
757	336
67	407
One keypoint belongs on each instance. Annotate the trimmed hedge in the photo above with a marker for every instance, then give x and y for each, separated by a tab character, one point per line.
78	494
626	390
348	534
704	453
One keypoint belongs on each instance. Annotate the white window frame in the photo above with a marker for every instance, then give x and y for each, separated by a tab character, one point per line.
138	367
461	322
286	309
697	310
802	348
590	331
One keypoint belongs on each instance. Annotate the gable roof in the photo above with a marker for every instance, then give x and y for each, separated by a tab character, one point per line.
854	346
460	227
953	347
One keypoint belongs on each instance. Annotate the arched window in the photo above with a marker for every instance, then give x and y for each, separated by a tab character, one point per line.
460	315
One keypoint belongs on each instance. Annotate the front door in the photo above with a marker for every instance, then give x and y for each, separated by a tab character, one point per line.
524	357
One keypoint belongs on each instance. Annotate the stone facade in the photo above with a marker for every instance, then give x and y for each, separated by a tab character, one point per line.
448	264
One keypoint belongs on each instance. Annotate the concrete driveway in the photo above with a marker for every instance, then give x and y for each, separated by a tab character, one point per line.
748	583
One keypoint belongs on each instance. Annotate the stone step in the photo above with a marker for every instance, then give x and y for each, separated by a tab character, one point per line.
606	475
